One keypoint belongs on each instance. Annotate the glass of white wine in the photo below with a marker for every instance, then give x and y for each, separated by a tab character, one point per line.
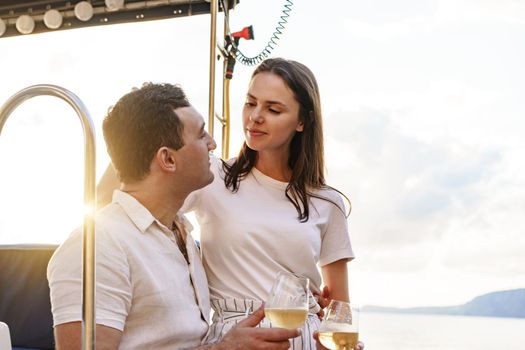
287	305
340	328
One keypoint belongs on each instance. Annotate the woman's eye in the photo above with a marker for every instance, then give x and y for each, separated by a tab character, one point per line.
274	111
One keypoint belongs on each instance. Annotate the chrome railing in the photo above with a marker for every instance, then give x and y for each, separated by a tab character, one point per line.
88	240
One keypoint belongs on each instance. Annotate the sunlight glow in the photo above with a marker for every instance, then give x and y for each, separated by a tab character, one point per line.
422	113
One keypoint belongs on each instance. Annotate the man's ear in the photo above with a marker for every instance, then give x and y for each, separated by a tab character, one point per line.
165	158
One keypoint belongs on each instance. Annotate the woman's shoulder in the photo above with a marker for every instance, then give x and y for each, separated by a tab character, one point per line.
329	192
217	162
219	166
332	198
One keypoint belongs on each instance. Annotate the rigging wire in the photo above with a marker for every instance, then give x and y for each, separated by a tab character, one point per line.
272	42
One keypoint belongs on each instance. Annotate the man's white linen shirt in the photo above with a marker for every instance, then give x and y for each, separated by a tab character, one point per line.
145	287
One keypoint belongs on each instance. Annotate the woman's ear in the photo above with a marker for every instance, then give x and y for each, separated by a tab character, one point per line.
300	126
165	158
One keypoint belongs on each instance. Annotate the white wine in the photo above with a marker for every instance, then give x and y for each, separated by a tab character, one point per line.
286	318
339	340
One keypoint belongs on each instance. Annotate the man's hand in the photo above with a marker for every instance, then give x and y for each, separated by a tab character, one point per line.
360	345
245	337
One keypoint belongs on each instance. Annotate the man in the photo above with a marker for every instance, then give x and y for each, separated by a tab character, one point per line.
151	290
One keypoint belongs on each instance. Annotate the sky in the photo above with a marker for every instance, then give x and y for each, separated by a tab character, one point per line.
423	116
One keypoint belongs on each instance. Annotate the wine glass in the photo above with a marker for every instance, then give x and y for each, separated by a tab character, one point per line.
340	328
287	305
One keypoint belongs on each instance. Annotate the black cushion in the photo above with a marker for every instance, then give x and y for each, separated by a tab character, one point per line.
24	295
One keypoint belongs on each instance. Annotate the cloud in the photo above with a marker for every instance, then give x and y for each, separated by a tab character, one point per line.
418	206
503	11
404	190
428	206
388	30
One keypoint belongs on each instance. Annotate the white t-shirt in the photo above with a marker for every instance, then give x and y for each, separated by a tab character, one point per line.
249	236
145	287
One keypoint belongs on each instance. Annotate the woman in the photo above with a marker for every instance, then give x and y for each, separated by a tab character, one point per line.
269	209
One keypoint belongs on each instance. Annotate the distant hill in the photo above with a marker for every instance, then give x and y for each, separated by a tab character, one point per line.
509	303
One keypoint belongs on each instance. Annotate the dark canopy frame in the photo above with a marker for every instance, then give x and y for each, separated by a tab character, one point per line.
133	11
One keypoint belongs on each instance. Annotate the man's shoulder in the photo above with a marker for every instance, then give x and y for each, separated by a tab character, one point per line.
110	224
112	216
109	210
110	219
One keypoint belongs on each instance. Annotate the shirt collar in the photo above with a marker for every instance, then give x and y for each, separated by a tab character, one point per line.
141	217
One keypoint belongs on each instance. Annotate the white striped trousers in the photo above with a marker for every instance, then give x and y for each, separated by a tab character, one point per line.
229	312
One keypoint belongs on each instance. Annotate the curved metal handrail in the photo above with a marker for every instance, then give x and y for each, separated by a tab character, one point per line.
88	240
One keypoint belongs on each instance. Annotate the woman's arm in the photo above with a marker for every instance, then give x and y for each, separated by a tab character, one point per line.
106	185
335	277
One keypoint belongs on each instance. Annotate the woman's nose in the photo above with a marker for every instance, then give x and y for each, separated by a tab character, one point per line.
256	116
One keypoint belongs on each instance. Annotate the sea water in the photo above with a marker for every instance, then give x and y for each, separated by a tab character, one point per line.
380	331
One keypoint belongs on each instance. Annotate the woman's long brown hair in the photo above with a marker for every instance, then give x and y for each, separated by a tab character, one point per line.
306	158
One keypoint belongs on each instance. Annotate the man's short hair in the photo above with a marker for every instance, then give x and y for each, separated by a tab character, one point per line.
139	124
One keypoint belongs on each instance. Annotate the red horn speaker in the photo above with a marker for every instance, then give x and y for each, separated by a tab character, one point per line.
246	33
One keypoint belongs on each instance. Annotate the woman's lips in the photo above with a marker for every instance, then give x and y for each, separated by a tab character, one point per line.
255	133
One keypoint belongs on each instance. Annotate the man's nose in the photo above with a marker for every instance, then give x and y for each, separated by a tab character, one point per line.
212	144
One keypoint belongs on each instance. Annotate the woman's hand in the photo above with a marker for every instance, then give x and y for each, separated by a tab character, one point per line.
323	299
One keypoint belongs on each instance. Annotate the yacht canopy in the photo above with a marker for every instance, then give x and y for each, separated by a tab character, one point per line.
22	17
